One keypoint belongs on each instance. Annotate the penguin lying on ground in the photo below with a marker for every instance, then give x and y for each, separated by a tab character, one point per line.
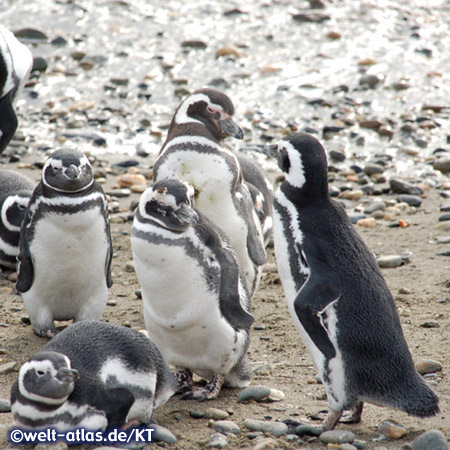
337	296
93	375
65	245
193	152
15	66
196	305
15	193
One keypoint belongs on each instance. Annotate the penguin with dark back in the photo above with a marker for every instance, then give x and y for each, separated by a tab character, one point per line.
336	294
15	66
64	269
196	304
194	152
15	194
93	375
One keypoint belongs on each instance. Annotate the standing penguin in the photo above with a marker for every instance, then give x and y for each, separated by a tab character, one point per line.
93	375
15	66
193	152
337	296
196	305
15	193
65	252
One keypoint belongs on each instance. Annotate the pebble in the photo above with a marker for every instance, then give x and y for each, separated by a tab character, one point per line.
402	187
355	217
444	217
430	440
374	207
196	414
369	222
308	430
276	428
430	324
390	261
314	17
391	430
161	434
230	50
351	194
5	405
256	393
226	426
371	169
266	444
218	440
216	414
347	447
126	180
425	366
337	437
412	200
442	164
8	367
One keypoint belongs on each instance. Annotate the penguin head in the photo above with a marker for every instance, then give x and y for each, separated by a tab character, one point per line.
47	377
169	203
68	171
213	109
303	161
13	210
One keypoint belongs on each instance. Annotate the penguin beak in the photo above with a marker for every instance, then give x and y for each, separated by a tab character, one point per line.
230	128
187	215
72	172
271	150
67	375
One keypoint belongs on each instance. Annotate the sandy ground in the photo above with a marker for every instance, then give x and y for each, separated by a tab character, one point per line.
276	351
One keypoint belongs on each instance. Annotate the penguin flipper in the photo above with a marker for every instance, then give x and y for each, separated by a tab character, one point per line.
8	120
321	289
118	403
25	268
230	304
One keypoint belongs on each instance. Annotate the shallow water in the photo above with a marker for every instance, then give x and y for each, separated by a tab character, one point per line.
288	75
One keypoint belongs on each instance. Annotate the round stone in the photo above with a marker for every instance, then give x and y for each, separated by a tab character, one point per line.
226	426
432	439
216	414
256	393
276	428
337	437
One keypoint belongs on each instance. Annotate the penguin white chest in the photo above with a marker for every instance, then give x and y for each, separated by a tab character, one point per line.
181	307
69	257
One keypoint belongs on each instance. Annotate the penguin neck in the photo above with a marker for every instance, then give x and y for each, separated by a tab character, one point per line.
192	129
310	194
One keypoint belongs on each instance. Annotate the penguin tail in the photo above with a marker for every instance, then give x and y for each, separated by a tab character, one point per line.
423	402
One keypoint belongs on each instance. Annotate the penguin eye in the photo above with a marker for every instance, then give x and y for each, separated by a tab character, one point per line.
40	373
211	110
21	207
56	169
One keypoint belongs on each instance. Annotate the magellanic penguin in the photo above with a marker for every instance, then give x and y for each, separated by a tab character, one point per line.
15	193
92	375
337	296
64	269
15	66
196	304
193	152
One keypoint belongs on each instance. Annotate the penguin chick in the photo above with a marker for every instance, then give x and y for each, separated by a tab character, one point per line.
196	305
15	193
15	66
93	375
193	152
64	269
337	296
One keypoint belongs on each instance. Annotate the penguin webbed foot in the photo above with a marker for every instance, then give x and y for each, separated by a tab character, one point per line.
184	379
208	392
331	420
353	415
47	332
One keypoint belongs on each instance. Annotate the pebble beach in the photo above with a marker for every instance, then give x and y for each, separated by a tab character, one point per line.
370	79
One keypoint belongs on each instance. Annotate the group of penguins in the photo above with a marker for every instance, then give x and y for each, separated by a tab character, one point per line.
198	241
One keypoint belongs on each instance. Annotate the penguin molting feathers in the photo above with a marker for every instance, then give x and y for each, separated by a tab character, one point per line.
93	375
336	294
196	304
193	153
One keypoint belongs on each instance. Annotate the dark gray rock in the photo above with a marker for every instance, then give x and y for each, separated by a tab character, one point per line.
411	200
311	17
402	187
430	440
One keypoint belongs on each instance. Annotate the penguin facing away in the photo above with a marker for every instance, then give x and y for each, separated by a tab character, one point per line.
336	294
193	152
93	375
196	304
64	269
15	66
15	193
